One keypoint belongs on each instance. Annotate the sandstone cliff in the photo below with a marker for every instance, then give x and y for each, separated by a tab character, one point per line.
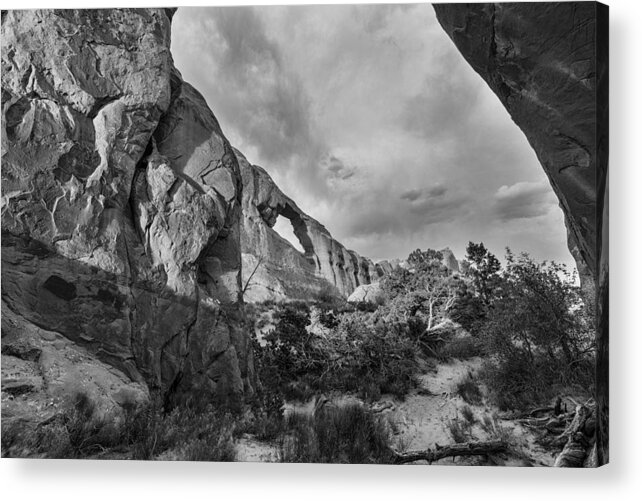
121	204
548	64
272	267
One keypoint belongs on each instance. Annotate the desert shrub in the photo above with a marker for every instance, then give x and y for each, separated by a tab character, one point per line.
85	432
346	434
24	439
211	444
421	297
380	354
264	425
369	391
469	390
264	417
416	327
328	298
517	446
328	319
143	433
459	430
358	355
462	348
536	331
268	304
519	383
366	306
496	431
284	358
75	432
484	270
189	433
468	414
469	309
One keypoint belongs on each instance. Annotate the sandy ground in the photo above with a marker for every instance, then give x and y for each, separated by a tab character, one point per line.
250	449
421	420
423	417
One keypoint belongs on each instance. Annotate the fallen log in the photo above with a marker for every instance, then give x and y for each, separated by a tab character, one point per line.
578	444
454	450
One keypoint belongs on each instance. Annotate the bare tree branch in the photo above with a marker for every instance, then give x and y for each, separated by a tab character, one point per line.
249	279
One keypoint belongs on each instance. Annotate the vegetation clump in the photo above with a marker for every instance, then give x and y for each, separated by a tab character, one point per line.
346	434
357	350
526	319
80	431
537	333
469	390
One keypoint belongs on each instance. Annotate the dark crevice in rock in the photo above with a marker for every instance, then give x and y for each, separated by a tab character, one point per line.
27	353
60	288
100	103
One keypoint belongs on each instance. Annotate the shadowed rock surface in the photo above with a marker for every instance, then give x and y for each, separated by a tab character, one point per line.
272	267
548	64
120	203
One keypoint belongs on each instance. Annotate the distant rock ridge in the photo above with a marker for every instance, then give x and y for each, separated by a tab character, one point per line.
272	267
449	260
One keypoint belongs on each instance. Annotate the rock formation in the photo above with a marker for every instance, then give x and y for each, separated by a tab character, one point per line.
449	260
367	293
121	206
548	64
272	267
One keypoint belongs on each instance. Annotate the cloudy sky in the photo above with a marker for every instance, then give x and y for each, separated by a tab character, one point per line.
369	118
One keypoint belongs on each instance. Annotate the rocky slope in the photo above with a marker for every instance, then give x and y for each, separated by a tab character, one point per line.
548	64
272	267
121	207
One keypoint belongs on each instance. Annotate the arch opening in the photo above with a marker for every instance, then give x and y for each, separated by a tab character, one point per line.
284	227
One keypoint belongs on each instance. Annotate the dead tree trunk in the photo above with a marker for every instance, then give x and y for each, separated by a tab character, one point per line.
578	444
467	449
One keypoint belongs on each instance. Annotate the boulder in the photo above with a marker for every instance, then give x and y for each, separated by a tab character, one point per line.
367	293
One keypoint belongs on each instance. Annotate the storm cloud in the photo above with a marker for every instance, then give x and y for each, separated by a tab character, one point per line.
426	193
372	121
524	200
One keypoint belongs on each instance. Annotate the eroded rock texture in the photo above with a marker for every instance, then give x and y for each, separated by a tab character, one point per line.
367	293
272	267
548	64
120	202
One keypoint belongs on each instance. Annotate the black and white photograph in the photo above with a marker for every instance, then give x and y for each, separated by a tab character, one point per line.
347	234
